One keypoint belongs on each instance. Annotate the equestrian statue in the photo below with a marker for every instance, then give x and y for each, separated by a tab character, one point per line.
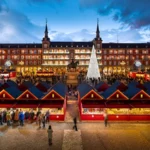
73	65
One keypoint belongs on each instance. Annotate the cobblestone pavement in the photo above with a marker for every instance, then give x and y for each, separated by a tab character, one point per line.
94	136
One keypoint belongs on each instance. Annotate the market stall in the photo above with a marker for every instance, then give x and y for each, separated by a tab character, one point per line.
55	101
91	103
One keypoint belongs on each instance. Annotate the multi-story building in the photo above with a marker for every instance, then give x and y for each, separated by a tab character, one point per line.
49	55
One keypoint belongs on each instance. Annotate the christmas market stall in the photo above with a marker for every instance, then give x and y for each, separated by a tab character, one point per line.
116	103
139	104
29	99
91	103
8	97
55	101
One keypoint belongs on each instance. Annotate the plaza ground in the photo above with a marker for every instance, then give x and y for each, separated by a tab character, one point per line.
94	136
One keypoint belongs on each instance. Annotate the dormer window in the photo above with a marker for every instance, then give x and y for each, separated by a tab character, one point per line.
4	95
92	95
117	95
27	95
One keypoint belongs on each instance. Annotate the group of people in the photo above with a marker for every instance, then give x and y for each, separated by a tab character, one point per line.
9	117
18	117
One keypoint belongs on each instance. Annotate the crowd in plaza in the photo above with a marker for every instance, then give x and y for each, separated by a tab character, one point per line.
18	117
110	79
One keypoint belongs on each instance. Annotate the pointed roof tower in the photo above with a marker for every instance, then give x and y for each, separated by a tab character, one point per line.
97	40
93	69
97	30
46	38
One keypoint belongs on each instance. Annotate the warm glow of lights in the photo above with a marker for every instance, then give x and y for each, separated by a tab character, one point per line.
3	95
92	95
27	95
53	95
117	95
141	95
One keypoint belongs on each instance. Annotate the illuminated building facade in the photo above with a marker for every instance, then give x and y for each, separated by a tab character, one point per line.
49	55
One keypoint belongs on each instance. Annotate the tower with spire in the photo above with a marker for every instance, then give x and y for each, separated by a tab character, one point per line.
97	40
46	39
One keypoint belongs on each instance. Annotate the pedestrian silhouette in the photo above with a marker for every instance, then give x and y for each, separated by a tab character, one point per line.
50	131
105	118
75	124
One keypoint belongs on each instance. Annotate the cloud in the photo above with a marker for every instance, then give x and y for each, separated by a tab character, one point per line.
16	27
82	35
134	13
122	36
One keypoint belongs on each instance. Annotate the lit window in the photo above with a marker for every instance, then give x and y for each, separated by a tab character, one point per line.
3	95
92	95
117	95
27	95
141	95
53	95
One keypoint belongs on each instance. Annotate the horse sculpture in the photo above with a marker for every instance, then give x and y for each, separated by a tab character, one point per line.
72	65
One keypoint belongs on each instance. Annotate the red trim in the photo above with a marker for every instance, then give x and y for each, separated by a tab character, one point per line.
6	105
51	105
93	106
118	106
25	106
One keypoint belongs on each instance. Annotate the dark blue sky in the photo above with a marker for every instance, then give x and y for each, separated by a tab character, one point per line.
74	20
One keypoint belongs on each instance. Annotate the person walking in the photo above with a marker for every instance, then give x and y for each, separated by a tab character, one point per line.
75	124
105	118
40	119
43	120
16	117
8	118
21	118
50	132
47	116
1	118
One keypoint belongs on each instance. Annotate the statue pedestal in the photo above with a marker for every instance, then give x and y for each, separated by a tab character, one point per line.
72	78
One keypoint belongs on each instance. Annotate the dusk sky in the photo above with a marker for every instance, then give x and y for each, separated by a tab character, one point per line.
23	21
